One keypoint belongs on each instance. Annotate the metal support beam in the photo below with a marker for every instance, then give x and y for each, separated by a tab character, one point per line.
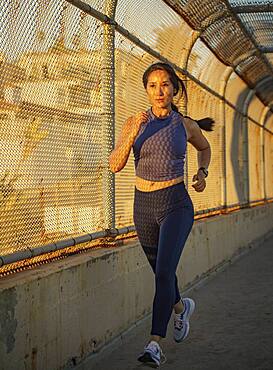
245	144
108	114
263	121
223	88
266	49
255	8
263	85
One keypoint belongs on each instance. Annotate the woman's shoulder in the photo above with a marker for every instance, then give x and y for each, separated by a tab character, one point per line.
190	123
129	121
190	126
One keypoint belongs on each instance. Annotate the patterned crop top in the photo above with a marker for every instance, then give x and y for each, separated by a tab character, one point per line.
160	148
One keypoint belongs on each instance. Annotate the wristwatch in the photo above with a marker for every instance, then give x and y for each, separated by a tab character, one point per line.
204	170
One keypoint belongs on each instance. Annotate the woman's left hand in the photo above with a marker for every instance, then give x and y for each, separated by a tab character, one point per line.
200	183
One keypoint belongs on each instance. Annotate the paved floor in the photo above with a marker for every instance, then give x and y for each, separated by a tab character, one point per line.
231	329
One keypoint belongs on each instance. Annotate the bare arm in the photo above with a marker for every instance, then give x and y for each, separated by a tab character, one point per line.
119	156
201	144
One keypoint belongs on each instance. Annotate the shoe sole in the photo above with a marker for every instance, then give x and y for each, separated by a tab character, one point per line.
192	308
146	359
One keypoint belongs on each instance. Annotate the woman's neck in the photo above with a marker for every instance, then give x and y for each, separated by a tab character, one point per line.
161	112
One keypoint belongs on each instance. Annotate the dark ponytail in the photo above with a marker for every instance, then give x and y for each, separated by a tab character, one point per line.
204	123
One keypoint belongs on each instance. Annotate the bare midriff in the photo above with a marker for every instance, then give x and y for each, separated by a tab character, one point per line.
147	185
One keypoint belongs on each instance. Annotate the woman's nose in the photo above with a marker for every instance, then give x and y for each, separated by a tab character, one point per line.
159	91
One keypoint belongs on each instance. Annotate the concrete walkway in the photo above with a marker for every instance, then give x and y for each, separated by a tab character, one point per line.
231	329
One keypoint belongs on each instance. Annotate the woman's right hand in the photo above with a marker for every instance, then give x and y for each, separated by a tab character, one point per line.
139	119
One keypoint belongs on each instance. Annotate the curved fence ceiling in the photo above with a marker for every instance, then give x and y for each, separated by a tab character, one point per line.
240	33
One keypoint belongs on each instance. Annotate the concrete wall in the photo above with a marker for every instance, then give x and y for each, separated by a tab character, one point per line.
56	315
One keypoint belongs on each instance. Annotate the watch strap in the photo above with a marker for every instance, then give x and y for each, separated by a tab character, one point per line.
204	170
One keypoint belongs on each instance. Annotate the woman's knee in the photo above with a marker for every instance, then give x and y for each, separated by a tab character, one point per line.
164	277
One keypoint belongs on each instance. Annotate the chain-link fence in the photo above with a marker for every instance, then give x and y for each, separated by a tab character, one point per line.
71	74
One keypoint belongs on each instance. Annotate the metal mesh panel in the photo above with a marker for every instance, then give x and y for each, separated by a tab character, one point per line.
252	69
261	27
202	104
50	124
223	33
218	27
164	31
204	66
211	11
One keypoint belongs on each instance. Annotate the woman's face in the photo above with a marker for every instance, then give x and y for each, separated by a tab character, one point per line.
160	89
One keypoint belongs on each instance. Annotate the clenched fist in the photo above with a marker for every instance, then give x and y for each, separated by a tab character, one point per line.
139	119
200	182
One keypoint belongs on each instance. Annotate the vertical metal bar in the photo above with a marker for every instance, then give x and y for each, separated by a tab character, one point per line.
223	88
108	114
246	144
263	122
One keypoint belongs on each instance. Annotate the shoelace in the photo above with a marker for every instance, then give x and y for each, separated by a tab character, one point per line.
156	348
178	323
153	347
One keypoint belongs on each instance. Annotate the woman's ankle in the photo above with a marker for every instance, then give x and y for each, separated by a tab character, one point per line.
155	338
179	307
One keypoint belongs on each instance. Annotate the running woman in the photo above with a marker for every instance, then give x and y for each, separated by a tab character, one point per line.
163	210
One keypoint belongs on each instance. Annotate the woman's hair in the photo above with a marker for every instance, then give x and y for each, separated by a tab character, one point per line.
204	123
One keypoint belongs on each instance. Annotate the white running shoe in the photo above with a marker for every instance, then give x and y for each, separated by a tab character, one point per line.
181	320
152	355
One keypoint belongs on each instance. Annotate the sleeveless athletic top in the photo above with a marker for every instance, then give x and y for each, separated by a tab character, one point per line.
160	148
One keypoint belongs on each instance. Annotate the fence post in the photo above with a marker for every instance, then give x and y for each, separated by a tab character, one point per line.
108	114
224	83
263	122
247	186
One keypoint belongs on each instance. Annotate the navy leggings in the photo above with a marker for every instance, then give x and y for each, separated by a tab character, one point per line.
163	220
